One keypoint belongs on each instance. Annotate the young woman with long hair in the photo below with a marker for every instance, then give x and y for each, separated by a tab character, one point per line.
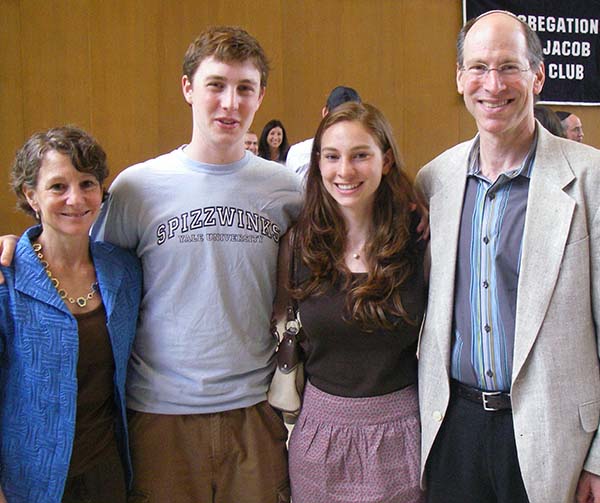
361	295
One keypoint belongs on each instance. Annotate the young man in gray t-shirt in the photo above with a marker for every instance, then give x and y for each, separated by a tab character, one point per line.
206	220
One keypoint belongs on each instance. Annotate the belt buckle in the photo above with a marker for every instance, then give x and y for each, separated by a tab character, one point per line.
485	395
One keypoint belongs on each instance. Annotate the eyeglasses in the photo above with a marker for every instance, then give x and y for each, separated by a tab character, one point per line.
507	71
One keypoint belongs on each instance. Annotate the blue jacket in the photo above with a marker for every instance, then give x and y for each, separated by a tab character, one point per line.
38	367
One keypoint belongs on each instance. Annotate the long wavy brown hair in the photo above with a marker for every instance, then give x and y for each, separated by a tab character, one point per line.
391	250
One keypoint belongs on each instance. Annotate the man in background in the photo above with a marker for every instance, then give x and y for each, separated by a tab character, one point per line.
298	157
571	125
251	142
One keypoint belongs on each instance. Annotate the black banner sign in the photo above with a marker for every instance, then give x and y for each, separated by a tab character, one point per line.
569	31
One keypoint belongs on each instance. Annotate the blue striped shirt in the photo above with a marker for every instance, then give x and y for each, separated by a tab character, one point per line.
487	274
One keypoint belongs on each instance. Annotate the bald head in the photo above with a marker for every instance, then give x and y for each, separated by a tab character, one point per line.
572	128
496	78
532	41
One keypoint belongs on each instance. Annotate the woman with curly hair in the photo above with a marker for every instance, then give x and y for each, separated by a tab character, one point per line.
68	312
273	144
361	294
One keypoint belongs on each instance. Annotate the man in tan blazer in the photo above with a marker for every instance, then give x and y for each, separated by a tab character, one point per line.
509	376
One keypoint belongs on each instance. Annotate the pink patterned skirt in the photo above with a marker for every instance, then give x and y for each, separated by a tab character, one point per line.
356	450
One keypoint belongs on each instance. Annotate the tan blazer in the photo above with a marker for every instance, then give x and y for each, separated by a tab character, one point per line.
556	374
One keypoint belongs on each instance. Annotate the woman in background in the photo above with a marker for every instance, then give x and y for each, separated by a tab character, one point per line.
68	312
273	144
361	295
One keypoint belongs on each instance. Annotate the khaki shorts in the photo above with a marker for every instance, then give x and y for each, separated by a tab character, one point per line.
227	457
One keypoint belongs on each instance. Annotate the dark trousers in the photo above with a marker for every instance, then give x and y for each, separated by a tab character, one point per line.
474	458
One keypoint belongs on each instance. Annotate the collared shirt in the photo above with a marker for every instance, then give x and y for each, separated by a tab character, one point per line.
487	274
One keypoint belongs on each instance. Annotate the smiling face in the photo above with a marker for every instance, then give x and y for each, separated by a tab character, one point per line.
251	142
224	98
352	165
67	200
501	105
275	137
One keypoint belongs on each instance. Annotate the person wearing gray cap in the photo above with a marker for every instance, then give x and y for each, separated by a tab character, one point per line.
298	157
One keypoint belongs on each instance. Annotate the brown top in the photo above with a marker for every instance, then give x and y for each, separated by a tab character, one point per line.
94	430
344	360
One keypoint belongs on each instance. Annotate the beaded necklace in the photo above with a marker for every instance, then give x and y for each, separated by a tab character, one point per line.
80	301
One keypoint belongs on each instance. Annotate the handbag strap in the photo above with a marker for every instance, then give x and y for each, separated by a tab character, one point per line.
288	353
292	309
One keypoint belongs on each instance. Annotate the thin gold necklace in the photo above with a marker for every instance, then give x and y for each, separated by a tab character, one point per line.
80	301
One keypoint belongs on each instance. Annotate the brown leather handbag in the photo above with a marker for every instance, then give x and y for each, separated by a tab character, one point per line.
287	385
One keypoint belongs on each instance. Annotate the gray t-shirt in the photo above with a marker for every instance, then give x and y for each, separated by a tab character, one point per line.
208	239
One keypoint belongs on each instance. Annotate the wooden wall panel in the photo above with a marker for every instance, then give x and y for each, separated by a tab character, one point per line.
54	77
125	90
430	102
55	63
11	109
114	67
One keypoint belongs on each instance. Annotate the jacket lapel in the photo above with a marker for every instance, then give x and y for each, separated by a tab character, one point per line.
547	223
109	275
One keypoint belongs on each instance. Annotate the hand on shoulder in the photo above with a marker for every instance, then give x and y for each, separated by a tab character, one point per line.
8	245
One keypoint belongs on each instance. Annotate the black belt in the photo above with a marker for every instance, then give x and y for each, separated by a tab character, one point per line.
489	400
